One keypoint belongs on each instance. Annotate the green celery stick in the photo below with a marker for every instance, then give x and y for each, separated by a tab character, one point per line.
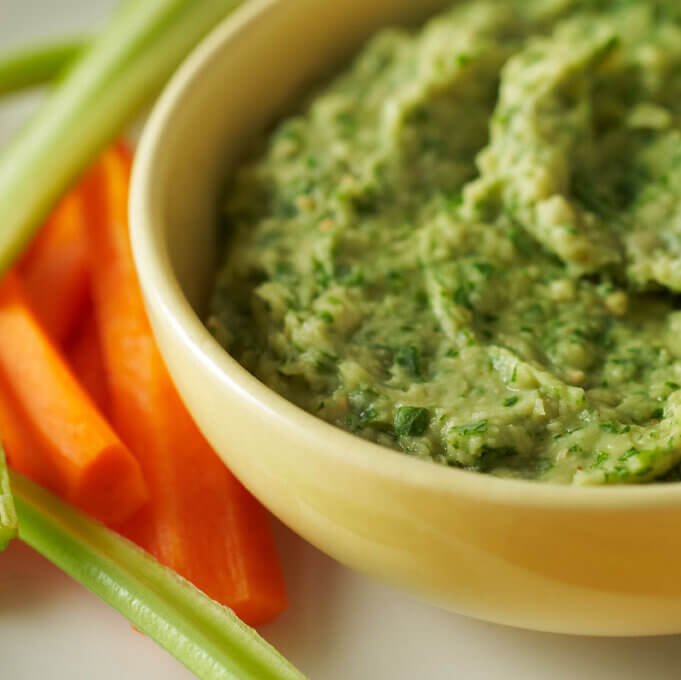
117	75
8	518
34	66
206	637
115	78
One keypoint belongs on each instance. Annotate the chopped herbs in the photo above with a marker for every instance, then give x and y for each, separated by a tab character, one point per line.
321	275
409	358
472	428
462	295
615	428
601	458
484	268
626	456
411	421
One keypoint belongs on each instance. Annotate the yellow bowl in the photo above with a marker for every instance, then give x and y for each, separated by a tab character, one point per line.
574	560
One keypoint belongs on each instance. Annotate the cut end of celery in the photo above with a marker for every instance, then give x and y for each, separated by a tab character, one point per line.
38	65
8	516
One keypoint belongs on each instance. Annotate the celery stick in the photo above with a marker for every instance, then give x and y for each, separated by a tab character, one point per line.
34	66
207	638
120	73
8	518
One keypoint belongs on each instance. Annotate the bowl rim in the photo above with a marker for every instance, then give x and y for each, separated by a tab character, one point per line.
162	291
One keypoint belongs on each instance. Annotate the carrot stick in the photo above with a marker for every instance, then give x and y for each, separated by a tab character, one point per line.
84	355
21	446
75	448
55	269
200	521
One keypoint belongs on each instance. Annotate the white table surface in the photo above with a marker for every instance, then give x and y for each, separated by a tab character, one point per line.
340	625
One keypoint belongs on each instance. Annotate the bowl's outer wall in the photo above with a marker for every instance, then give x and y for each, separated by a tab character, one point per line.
513	554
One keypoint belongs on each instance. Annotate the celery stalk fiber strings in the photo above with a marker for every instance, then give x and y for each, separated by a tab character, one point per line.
122	70
206	637
8	518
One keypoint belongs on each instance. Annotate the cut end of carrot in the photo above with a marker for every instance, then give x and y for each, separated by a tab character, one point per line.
262	607
59	436
233	557
112	488
260	594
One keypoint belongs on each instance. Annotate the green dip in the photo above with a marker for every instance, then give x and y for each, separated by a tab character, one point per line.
467	247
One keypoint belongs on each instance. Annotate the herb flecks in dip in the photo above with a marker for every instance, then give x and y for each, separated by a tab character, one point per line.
468	246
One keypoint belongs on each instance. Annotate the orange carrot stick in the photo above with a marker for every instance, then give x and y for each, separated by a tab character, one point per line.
84	355
200	521
87	463
55	270
23	450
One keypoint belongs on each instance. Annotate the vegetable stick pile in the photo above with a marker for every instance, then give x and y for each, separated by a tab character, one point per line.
207	638
88	409
63	414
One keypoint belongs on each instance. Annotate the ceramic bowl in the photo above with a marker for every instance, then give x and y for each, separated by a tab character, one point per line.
564	559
